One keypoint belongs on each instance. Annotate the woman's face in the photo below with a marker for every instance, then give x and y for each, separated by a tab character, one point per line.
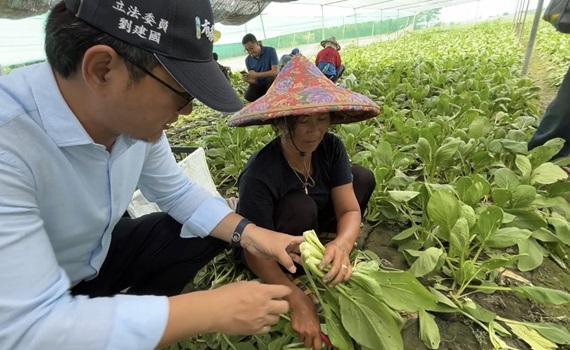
309	131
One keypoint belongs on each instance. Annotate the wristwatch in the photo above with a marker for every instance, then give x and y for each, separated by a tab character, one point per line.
235	240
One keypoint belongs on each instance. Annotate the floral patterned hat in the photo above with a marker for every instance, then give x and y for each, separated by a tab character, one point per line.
301	89
331	40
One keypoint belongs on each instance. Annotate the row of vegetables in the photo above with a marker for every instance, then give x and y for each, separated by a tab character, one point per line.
449	154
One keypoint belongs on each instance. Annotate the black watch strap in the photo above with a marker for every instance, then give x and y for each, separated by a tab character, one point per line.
236	235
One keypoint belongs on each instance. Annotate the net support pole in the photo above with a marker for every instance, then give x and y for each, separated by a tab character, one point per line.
532	38
524	20
398	25
262	26
355	26
323	21
520	15
516	14
381	23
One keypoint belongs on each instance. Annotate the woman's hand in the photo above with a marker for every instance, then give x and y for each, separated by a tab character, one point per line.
337	254
305	320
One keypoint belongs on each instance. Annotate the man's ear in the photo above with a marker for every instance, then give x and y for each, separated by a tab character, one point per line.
101	67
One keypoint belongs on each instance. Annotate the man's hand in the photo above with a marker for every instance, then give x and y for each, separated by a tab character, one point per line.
305	321
249	307
239	308
248	79
274	245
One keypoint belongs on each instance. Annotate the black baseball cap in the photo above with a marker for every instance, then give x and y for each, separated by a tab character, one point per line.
180	33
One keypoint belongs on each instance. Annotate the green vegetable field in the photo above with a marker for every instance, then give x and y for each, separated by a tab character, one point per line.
467	235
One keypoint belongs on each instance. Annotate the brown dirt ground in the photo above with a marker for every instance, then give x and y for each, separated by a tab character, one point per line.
459	333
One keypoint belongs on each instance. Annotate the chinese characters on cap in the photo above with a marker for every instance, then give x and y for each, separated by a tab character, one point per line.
147	27
144	26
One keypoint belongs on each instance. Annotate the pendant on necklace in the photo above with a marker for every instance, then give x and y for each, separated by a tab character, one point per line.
306	190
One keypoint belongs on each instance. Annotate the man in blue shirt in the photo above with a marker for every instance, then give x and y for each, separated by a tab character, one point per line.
262	67
77	136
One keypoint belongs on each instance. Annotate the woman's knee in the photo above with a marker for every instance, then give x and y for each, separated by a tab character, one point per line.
363	177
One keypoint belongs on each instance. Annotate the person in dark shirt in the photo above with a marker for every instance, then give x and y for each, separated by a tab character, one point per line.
303	179
287	57
226	70
262	66
328	59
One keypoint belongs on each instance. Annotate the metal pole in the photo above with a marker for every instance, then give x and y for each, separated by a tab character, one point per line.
532	37
262	26
356	26
381	19
398	25
519	2
520	14
524	20
323	20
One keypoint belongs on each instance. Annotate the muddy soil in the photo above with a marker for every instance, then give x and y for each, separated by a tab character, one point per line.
460	333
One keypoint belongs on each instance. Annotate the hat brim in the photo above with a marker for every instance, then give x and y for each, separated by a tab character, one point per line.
324	42
205	81
301	89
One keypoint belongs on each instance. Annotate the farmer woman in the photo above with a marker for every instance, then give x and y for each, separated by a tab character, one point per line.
328	59
303	179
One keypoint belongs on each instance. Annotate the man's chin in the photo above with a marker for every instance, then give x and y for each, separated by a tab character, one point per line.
152	139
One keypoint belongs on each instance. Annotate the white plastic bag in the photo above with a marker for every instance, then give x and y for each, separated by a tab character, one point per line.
194	166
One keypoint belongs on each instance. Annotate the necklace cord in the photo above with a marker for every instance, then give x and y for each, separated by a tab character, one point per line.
309	181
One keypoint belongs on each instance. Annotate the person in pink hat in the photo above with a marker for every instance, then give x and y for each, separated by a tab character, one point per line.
303	179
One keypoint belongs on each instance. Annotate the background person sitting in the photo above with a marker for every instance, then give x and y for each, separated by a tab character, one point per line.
287	57
262	67
328	59
225	69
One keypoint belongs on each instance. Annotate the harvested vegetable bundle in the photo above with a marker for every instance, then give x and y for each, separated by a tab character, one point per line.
362	309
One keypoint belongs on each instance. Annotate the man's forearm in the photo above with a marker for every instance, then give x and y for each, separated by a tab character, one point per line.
266	74
180	325
225	228
270	73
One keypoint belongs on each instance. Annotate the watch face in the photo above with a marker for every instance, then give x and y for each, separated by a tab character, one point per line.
235	237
